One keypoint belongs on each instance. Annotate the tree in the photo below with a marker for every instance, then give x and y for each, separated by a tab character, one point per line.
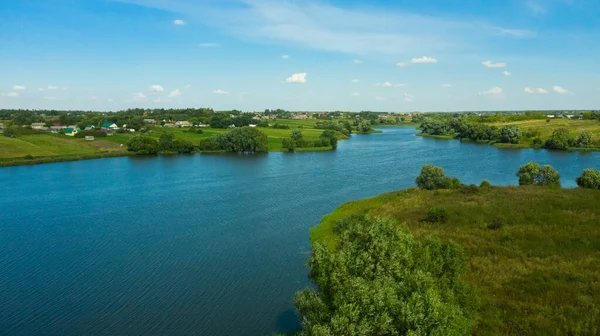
585	140
589	179
11	132
432	178
165	141
380	280
531	173
143	144
288	144
528	173
560	139
296	135
329	138
243	140
364	127
510	134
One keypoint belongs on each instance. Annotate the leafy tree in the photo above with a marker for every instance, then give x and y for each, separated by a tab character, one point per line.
590	179
243	140
380	280
165	141
328	138
585	140
11	132
143	144
532	173
365	127
528	173
289	144
510	134
296	135
560	139
432	178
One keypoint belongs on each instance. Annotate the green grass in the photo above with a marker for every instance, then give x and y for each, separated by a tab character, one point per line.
539	274
445	137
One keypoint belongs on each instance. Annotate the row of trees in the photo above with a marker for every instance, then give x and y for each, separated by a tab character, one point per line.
327	139
561	138
463	129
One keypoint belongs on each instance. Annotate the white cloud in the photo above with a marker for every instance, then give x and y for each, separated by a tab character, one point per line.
517	33
50	98
11	94
41	89
401	65
400	85
506	73
157	100
220	92
535	7
423	60
188	86
494	91
297	78
356	94
541	91
285	56
208	45
447	85
93	98
489	64
314	24
178	22
175	93
528	90
561	90
409	98
50	87
139	96
156	88
385	84
356	80
379	98
65	89
110	100
357	61
18	87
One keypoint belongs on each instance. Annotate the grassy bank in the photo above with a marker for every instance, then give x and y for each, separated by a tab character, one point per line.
534	252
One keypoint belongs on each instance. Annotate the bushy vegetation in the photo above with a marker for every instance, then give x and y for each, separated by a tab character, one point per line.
142	144
94	133
381	280
432	178
281	126
327	139
532	173
239	140
590	179
168	143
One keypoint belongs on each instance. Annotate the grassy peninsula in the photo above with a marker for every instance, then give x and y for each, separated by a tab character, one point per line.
533	252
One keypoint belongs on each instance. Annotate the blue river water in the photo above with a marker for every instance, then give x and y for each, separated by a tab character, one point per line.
207	244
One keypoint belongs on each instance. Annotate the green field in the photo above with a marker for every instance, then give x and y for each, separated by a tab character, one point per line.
49	146
536	272
545	128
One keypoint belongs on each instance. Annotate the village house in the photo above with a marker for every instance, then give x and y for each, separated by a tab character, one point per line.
1	126
39	126
184	123
89	127
150	121
172	125
202	125
72	131
109	126
550	116
57	128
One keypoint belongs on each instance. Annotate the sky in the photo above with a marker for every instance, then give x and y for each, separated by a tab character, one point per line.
300	55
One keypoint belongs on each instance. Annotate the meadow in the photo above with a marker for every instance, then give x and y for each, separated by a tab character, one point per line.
534	252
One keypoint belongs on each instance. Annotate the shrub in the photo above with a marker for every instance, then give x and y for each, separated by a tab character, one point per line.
143	144
436	215
548	177
195	130
94	133
281	126
585	140
485	184
510	134
470	189
432	178
532	173
496	224
28	157
11	132
538	142
560	139
288	144
589	179
263	123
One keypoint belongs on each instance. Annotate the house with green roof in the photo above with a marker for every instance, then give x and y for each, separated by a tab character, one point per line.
89	127
72	131
109	126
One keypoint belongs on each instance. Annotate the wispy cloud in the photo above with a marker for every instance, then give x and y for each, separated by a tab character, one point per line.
494	91
409	98
535	7
506	73
139	96
220	92
175	93
156	88
357	61
379	98
355	81
355	94
490	64
208	45
50	87
317	25
401	65
50	98
447	85
11	94
178	22
285	56
561	90
18	87
384	84
297	78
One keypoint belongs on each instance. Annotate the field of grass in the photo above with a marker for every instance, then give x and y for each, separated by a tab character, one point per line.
576	127
48	145
536	271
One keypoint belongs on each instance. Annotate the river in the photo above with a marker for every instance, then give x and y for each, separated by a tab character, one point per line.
208	244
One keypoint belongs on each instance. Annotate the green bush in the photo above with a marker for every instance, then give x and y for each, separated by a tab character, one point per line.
560	139
470	189
11	132
436	215
142	144
432	178
94	133
289	144
589	179
532	173
281	126
496	224
485	184
381	280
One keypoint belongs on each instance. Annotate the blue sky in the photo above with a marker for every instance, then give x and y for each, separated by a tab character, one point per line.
381	55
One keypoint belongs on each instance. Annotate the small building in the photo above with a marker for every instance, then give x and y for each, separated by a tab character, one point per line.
89	127
110	126
150	121
90	138
252	125
70	131
231	126
550	116
202	125
39	126
1	126
184	123
570	116
169	125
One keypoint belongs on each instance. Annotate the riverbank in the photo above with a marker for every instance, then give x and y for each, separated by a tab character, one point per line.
534	252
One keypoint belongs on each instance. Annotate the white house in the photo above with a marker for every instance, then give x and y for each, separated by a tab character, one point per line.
184	123
109	126
252	125
550	116
39	126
